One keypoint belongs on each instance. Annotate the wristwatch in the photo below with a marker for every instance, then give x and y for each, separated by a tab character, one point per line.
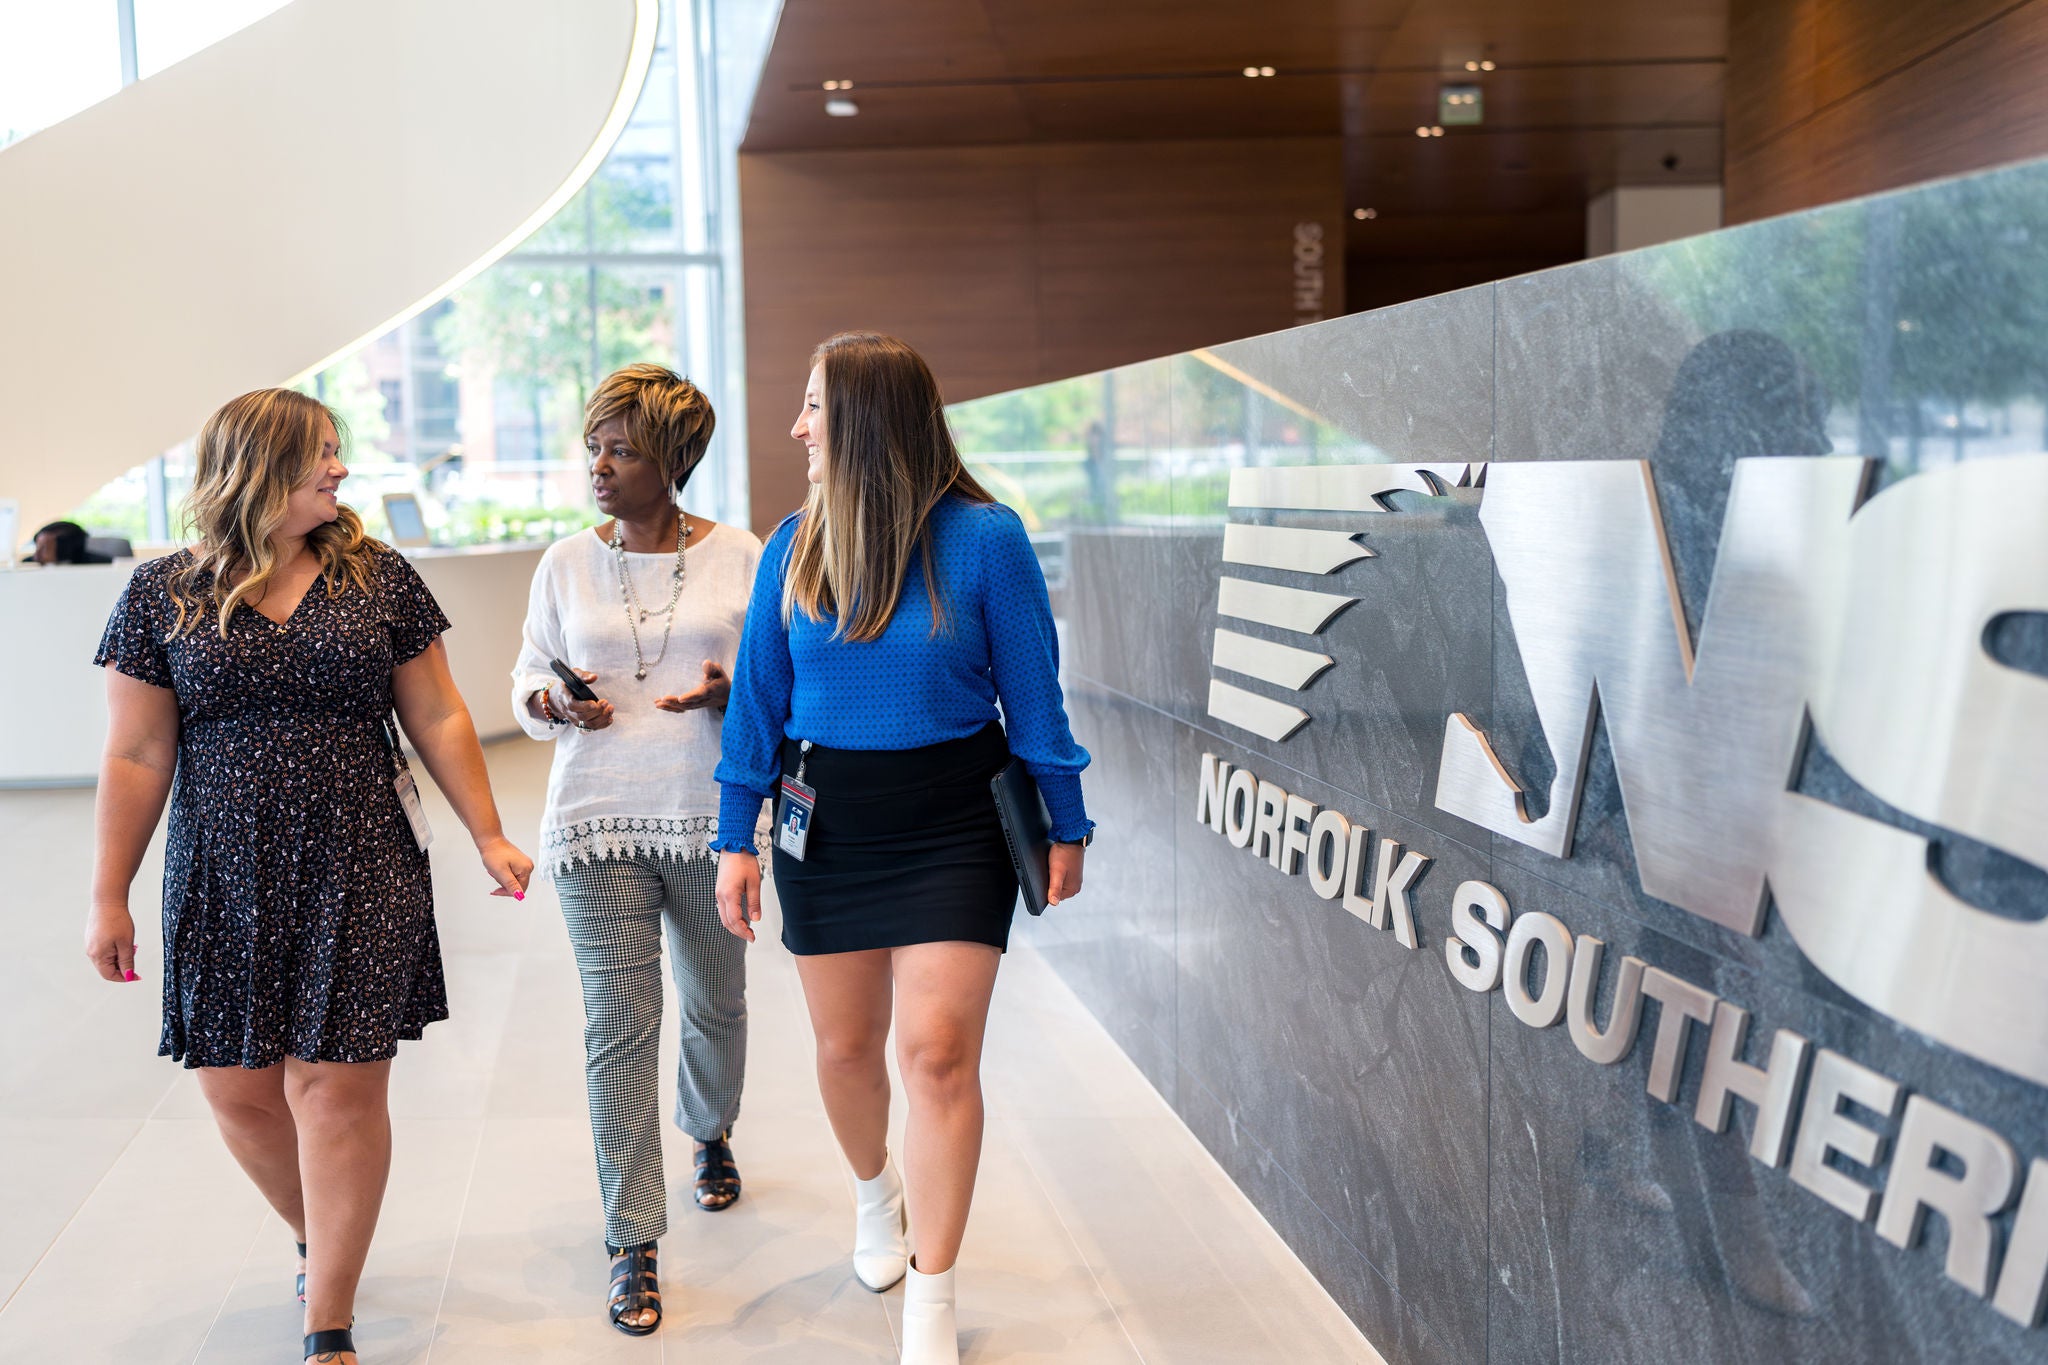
1081	842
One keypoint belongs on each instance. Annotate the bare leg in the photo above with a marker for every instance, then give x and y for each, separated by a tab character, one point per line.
344	1158
256	1123
848	997
942	998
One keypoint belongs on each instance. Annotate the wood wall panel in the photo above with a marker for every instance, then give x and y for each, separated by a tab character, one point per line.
1830	99
1011	266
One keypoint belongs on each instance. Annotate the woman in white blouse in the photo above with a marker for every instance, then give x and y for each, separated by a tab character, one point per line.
647	609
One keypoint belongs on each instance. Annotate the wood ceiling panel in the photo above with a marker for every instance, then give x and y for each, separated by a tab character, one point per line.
1303	106
1064	37
1523	32
1594	96
1586	94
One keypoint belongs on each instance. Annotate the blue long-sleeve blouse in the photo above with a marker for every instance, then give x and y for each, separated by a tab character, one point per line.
906	688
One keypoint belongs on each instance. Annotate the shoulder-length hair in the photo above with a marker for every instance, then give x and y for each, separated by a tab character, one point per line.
668	419
889	461
249	457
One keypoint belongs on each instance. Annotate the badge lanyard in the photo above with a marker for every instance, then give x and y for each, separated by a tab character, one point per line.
793	821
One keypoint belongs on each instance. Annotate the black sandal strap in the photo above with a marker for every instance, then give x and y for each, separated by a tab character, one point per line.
333	1339
634	1288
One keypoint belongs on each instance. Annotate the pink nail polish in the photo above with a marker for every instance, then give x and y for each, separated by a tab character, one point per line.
131	976
518	895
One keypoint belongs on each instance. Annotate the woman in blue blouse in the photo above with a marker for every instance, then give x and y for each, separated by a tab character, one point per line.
889	618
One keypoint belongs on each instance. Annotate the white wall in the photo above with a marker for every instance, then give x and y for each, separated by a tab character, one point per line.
244	216
55	699
1634	216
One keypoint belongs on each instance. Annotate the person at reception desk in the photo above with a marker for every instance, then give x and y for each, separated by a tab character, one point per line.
648	608
891	615
260	667
64	542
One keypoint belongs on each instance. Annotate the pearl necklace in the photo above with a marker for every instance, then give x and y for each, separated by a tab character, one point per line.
630	595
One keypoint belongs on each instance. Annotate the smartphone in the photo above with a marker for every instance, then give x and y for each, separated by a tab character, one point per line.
578	688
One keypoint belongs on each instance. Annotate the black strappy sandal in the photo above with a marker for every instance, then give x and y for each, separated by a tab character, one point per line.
634	1288
718	1179
302	1274
329	1344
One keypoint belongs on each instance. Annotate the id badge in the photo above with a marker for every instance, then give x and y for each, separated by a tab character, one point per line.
793	821
409	798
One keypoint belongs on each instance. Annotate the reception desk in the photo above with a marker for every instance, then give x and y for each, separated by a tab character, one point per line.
55	699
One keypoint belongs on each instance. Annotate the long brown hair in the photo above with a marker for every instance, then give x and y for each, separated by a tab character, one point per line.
889	460
250	455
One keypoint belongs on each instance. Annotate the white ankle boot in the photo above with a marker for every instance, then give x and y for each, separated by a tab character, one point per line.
880	1254
929	1334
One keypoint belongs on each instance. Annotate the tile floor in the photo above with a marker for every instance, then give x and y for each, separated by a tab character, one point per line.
1102	1231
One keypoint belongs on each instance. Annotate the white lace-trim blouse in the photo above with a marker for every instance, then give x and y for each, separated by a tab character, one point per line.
643	784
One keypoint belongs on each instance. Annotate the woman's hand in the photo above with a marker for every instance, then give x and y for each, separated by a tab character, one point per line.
508	867
1065	868
585	715
110	941
713	691
739	892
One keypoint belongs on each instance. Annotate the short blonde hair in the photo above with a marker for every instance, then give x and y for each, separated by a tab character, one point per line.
668	419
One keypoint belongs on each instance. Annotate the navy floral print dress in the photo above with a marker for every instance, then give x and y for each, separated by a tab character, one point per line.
298	912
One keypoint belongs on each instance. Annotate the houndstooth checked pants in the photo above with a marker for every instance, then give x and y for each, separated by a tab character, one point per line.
617	909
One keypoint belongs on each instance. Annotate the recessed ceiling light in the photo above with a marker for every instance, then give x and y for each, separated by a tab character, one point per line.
1486	66
1251	71
1363	214
1471	66
841	108
1265	71
1422	130
839	85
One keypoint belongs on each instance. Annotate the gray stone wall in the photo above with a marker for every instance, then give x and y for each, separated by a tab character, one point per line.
1470	1188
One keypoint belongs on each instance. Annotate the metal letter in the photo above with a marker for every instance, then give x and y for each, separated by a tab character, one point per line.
1623	1019
1209	792
2023	1281
1266	827
1530	929
1343	488
1966	1202
1824	1128
1479	914
1914	708
1680	1005
1240	803
1295	609
1772	1088
1264	717
1282	665
1396	874
1294	833
1355	873
1326	840
1288	547
1702	747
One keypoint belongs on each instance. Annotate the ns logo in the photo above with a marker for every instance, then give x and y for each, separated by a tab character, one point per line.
1835	616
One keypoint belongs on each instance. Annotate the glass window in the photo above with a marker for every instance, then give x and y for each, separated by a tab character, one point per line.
476	405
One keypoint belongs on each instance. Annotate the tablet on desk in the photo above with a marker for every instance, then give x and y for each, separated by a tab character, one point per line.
408	525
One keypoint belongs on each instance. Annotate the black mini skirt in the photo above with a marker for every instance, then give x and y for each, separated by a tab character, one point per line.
905	847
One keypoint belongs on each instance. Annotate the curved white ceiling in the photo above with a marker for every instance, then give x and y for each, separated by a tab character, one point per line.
272	202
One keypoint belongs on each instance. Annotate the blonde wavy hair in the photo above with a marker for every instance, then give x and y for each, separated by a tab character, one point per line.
250	455
668	419
889	461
